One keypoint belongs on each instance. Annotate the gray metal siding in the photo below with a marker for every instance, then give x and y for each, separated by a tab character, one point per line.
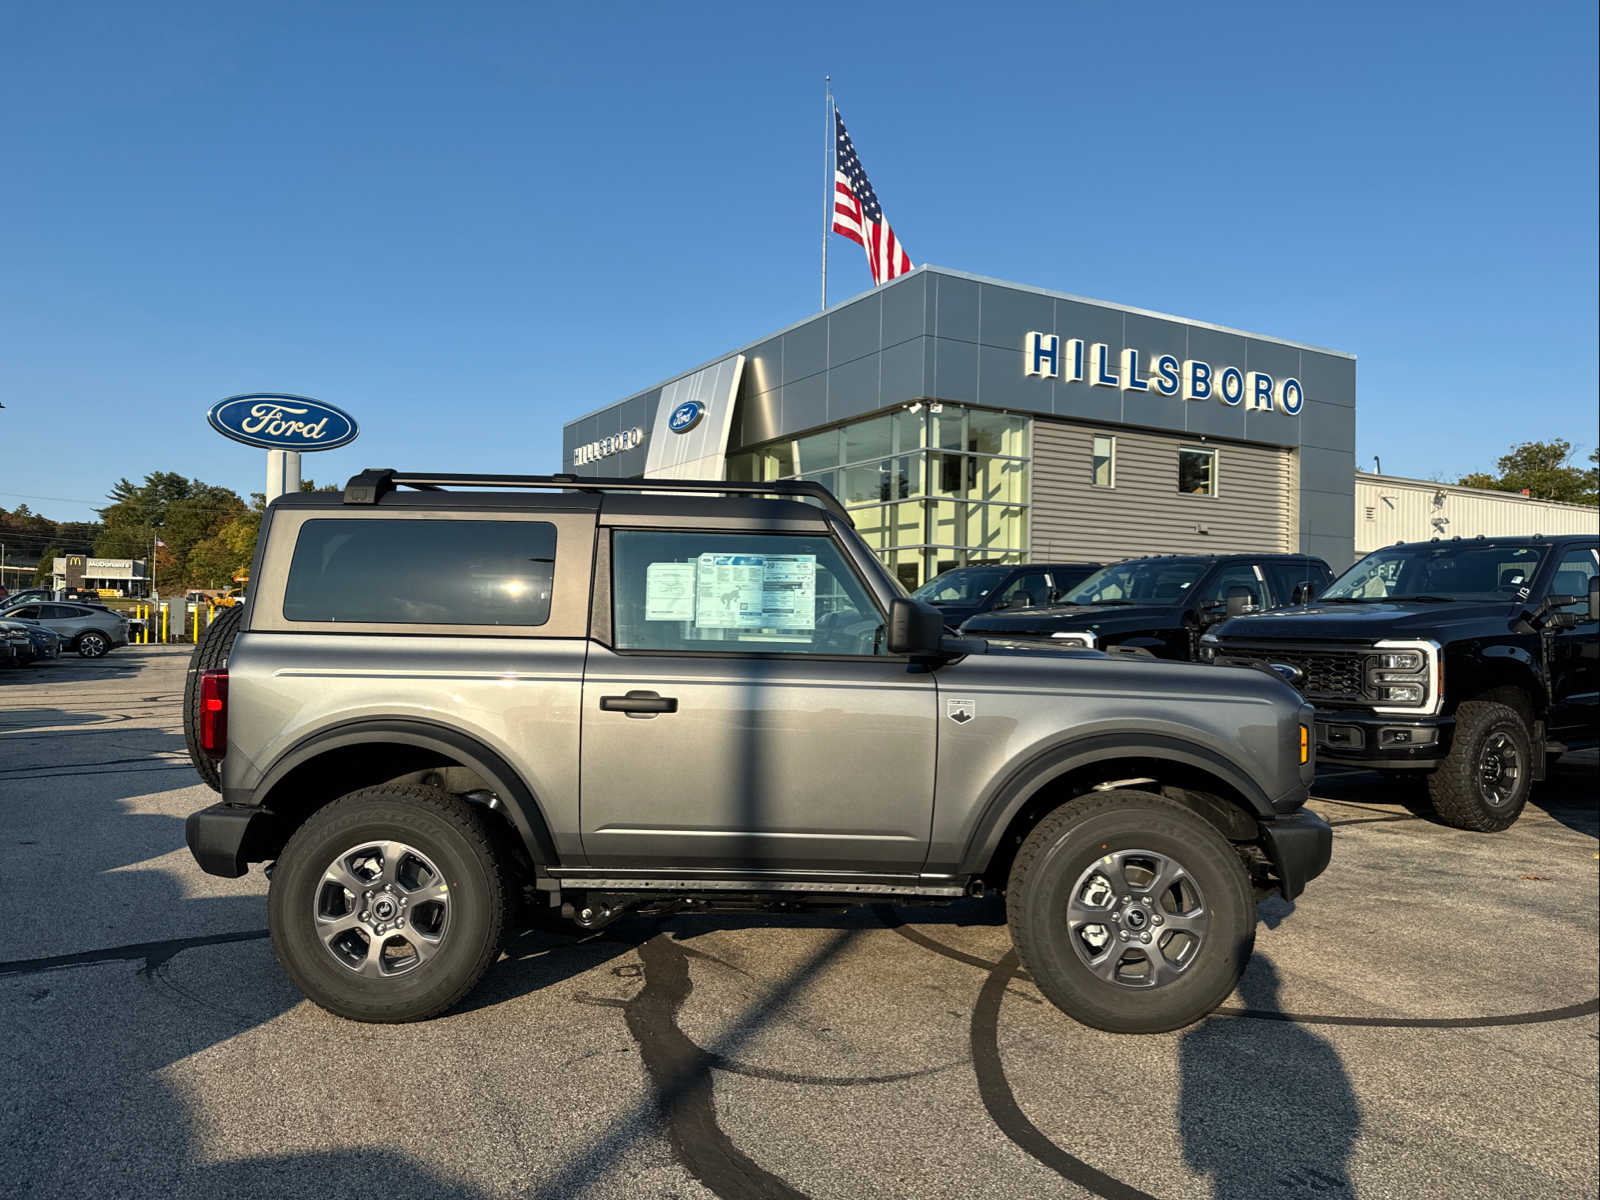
1254	509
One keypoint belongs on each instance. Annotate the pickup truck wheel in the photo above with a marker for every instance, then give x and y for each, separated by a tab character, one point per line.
1483	783
388	904
1131	913
210	655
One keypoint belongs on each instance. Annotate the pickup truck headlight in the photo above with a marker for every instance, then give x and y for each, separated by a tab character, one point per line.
1405	677
1080	639
1208	647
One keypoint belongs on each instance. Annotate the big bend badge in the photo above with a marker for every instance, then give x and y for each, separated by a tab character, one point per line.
961	711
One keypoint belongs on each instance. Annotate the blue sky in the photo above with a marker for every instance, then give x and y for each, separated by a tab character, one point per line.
468	223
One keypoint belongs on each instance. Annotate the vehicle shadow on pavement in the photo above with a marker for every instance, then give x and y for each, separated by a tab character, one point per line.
1571	793
1255	1124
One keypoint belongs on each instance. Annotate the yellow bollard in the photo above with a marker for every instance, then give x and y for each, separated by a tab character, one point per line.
165	608
195	626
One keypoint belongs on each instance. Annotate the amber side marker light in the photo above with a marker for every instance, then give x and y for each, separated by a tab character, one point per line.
1305	745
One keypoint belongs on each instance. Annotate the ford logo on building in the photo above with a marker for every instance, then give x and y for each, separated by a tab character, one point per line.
276	422
686	416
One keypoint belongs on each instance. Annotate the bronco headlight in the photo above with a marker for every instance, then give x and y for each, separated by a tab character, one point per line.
1405	677
1076	639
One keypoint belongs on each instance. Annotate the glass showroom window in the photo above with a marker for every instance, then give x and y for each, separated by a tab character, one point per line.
1103	462
1197	471
927	490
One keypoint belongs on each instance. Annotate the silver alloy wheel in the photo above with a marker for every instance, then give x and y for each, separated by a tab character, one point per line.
1137	919
1499	769
91	645
381	909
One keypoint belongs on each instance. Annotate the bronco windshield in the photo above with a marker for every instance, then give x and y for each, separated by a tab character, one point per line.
1140	581
1441	571
964	585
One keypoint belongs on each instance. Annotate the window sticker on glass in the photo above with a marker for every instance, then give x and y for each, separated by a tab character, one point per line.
789	591
728	591
669	591
756	591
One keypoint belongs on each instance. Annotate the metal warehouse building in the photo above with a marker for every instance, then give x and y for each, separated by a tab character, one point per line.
1390	509
964	419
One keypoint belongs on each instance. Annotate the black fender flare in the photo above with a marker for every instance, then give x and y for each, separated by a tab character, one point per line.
521	805
1008	795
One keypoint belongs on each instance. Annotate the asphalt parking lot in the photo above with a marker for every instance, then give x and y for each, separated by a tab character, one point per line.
1422	1023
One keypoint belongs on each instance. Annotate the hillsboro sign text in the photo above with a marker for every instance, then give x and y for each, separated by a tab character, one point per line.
1048	356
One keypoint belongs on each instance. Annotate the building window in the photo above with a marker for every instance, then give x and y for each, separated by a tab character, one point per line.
927	490
1197	471
1104	462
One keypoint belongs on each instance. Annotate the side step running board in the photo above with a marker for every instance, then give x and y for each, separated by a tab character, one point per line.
600	883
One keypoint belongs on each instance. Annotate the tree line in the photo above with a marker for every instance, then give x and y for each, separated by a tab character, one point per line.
203	534
1544	470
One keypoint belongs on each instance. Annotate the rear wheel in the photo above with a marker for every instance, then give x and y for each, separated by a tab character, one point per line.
1483	783
210	655
93	644
1131	913
388	904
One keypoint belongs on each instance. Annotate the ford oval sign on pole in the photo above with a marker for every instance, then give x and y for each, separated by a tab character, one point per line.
686	416
276	422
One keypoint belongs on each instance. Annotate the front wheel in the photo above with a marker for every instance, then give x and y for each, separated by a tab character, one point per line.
389	904
1131	913
1483	783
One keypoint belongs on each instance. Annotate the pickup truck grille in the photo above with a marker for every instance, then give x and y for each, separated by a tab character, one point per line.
1336	676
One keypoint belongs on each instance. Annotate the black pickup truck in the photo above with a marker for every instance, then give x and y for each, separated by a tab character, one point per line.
1470	663
1159	604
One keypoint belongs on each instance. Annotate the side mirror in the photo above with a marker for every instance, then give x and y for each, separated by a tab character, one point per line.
1239	601
1594	598
914	627
1301	594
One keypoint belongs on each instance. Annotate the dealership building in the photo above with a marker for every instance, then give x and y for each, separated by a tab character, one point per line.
962	419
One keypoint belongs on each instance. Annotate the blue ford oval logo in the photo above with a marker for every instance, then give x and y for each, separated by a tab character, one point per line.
1289	673
686	416
276	422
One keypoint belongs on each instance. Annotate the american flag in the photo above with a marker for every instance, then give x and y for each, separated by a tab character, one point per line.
857	213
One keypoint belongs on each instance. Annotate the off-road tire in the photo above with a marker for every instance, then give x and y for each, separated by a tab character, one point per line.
450	833
1047	867
210	655
1459	798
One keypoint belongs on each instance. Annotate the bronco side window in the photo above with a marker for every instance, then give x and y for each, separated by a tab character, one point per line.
421	571
772	594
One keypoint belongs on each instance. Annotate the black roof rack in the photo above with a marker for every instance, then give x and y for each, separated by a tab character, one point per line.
369	486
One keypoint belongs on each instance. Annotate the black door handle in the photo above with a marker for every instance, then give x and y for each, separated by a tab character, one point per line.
639	704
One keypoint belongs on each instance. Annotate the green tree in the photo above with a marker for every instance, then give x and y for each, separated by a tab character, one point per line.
47	560
1544	470
181	512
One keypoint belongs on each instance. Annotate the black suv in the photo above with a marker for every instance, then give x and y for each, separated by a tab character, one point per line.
992	587
1473	661
1161	604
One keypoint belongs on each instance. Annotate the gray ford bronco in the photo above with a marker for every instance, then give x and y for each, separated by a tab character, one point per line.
456	701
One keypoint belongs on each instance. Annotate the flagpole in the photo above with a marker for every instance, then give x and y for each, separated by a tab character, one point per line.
827	185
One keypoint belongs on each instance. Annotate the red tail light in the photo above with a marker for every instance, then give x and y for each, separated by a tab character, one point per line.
214	713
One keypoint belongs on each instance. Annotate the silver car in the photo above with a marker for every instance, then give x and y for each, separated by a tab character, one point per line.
90	630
